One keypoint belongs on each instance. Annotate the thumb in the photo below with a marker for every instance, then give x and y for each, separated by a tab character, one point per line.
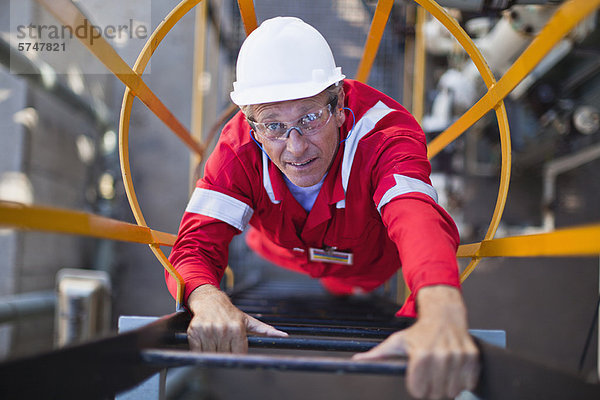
260	328
393	346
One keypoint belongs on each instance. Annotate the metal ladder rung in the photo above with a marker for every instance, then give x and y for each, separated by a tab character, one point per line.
177	358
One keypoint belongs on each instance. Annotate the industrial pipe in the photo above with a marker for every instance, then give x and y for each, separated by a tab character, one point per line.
489	5
19	307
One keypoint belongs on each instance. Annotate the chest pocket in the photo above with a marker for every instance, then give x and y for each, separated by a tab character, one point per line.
277	226
351	230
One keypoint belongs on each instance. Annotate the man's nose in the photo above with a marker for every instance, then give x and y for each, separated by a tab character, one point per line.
296	143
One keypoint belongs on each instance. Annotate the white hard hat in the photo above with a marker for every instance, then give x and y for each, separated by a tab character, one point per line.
283	59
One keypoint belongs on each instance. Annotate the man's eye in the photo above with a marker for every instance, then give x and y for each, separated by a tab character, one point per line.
312	117
274	126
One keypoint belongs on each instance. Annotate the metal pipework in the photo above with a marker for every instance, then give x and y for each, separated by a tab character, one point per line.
555	168
23	306
489	5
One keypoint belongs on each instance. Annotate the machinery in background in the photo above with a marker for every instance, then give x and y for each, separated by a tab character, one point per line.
83	309
554	113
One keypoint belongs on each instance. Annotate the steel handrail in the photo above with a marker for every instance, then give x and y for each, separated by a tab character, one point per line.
60	220
575	241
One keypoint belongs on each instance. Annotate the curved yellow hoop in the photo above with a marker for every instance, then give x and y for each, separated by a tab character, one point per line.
186	5
563	20
140	65
376	32
493	99
484	70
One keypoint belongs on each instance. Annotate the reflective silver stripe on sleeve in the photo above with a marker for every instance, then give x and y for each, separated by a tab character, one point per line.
220	206
362	127
405	184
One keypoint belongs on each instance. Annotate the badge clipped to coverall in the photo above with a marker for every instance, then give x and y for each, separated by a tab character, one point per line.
330	255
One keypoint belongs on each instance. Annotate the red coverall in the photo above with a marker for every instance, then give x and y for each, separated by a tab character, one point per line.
376	203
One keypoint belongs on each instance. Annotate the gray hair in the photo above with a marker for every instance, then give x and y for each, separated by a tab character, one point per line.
332	91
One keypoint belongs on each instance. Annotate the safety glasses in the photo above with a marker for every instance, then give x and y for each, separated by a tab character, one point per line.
307	125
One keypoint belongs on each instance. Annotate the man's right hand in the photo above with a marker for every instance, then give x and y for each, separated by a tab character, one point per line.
218	326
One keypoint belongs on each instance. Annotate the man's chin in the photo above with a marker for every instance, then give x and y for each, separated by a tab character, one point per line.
303	180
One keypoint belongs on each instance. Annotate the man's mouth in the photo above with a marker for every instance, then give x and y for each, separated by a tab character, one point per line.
302	163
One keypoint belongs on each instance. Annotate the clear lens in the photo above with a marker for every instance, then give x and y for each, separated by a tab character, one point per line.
308	125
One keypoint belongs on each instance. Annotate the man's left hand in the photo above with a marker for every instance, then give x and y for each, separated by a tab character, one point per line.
443	358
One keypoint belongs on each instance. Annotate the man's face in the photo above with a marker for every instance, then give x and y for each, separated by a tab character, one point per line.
303	159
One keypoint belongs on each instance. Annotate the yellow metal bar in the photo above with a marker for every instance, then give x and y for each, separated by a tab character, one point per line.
503	188
197	90
409	58
468	250
418	98
469	46
576	241
562	22
140	65
160	32
124	157
467	271
229	278
462	37
505	169
51	219
564	19
68	13
248	15
382	13
173	272
402	291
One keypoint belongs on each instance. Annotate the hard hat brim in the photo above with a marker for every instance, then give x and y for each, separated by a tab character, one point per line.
279	92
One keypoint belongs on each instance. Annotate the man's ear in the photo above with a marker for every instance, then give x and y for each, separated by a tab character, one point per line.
256	137
340	115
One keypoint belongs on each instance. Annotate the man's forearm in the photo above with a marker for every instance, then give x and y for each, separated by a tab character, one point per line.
199	295
442	302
